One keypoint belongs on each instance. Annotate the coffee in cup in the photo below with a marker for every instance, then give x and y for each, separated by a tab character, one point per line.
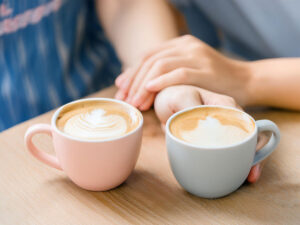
96	140
212	127
97	120
211	149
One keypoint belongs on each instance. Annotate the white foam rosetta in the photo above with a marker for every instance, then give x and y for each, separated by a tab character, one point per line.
211	133
96	125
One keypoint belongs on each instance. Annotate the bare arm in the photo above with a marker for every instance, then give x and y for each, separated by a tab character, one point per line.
188	60
134	26
275	82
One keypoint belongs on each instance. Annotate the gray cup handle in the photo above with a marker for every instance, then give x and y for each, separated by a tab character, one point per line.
264	152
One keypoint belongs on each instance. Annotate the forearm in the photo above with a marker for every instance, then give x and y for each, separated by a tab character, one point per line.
275	82
134	26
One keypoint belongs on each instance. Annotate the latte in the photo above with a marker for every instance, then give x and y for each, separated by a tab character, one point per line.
212	126
97	119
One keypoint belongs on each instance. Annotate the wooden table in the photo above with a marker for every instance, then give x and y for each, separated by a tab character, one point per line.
32	193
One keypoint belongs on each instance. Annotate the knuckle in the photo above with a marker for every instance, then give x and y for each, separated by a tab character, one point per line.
177	91
160	65
188	37
147	55
182	74
180	94
207	65
208	61
197	47
230	100
148	63
207	72
169	93
191	56
176	97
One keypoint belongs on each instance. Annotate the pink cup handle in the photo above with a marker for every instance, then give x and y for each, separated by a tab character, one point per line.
42	156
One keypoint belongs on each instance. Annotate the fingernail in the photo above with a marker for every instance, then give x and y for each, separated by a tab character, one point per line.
257	172
124	84
136	101
150	85
144	107
120	95
254	173
128	99
118	81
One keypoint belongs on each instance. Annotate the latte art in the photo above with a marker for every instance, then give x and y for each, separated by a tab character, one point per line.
96	125
210	132
212	126
97	120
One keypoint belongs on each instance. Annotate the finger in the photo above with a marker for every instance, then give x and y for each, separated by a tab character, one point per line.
153	53
254	174
156	53
239	107
127	77
120	95
193	100
263	139
148	103
122	76
175	77
255	171
147	66
167	101
120	79
124	81
159	68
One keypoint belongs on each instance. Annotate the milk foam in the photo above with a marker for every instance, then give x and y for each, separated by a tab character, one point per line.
211	133
95	124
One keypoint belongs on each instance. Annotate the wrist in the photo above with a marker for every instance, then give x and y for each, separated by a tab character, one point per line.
242	88
250	92
247	95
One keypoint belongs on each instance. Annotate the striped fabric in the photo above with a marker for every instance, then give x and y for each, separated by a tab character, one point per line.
51	52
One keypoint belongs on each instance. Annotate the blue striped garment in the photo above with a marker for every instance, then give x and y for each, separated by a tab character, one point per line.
51	52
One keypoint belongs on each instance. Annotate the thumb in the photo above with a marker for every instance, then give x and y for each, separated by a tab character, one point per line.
254	173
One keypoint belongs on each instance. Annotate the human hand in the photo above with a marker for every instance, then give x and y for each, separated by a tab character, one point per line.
184	60
176	98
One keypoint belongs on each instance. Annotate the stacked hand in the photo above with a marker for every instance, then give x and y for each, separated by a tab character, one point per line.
184	60
176	98
187	61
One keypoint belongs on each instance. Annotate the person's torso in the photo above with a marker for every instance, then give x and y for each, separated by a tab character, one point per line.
51	52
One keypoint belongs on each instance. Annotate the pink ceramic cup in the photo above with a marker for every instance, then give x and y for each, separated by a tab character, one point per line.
93	165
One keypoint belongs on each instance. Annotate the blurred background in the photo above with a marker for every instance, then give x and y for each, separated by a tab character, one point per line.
55	51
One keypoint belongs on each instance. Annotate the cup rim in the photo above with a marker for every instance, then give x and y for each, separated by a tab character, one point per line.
168	132
56	113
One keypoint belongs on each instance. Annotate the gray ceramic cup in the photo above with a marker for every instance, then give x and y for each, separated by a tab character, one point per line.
217	171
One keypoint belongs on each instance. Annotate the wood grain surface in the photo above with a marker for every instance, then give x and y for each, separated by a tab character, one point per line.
33	193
